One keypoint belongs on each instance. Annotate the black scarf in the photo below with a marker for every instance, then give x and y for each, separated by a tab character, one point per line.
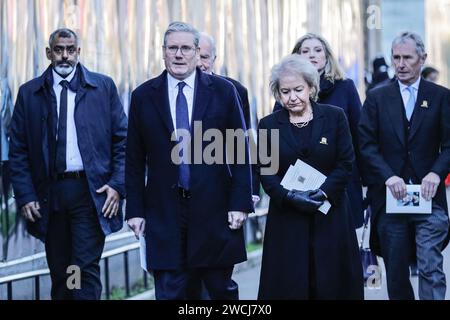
326	87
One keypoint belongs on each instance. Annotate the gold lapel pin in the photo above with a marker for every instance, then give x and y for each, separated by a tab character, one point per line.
324	141
424	104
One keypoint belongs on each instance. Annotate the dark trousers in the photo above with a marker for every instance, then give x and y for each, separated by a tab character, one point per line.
186	283
398	233
74	240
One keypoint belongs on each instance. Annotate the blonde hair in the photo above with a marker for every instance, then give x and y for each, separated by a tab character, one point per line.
294	65
332	69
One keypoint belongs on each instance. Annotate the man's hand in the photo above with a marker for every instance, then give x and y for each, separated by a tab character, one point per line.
30	211
111	206
137	225
397	187
236	219
430	185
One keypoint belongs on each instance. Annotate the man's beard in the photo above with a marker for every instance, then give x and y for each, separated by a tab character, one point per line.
64	70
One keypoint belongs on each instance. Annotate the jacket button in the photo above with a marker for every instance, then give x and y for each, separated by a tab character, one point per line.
44	200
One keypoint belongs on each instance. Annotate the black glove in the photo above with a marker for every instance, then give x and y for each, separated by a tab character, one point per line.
301	201
317	195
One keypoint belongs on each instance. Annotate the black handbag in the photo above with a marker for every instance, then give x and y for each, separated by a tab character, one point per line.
371	268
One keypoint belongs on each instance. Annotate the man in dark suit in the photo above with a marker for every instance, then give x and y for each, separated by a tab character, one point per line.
405	139
67	160
191	211
206	64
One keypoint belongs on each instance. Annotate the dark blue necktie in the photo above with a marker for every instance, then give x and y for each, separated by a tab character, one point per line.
61	142
182	119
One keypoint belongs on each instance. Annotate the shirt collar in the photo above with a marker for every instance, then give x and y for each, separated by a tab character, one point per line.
415	85
190	81
57	78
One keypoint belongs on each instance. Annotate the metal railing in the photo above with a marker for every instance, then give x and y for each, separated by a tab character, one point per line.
124	250
37	274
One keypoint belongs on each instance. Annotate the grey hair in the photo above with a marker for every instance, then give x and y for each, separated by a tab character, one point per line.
211	41
294	64
182	27
63	33
402	37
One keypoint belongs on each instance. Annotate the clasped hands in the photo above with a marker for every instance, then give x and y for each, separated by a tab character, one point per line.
306	201
429	186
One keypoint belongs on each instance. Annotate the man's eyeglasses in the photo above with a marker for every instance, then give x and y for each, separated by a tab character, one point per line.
60	50
185	50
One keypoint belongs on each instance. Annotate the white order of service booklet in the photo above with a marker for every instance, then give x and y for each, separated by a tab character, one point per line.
413	203
303	177
143	252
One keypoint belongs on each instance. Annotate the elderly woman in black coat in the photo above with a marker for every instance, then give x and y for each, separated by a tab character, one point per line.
307	254
338	91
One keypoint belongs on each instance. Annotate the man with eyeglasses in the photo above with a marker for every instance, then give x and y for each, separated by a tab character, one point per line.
192	212
67	162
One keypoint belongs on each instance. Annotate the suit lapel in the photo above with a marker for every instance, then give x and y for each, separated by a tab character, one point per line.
419	112
393	107
80	95
318	123
160	97
47	123
202	96
83	80
285	130
48	126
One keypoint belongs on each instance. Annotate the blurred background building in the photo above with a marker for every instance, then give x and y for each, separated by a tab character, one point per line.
123	38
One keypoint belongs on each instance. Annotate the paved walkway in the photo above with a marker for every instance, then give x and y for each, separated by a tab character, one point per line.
247	276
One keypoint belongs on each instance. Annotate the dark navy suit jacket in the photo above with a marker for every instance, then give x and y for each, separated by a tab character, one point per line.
383	143
101	132
152	178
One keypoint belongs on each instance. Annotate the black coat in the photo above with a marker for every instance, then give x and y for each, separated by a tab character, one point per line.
384	149
101	132
216	189
343	94
302	249
243	99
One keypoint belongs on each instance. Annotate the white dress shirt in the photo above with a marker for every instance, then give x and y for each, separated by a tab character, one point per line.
73	156
405	93
188	90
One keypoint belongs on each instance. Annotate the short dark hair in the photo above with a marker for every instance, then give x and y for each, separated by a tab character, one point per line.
427	71
63	33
